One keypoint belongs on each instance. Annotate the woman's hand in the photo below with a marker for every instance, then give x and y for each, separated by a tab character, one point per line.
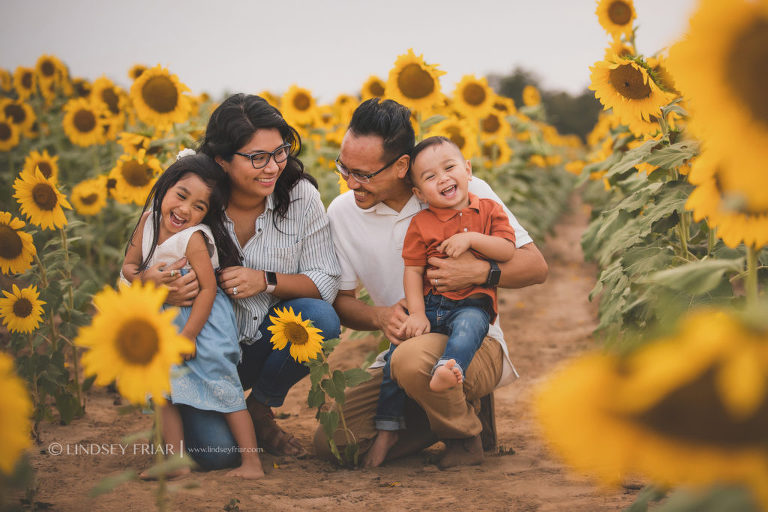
242	282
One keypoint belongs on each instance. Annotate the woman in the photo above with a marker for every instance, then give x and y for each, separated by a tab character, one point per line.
278	222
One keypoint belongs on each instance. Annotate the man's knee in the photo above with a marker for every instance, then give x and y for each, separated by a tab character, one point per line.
412	361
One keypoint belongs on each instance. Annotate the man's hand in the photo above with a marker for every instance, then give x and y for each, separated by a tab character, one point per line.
183	290
391	321
456	245
457	273
164	274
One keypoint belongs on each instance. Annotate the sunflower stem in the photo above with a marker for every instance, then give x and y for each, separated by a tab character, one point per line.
158	440
711	241
51	317
71	306
338	405
683	233
751	277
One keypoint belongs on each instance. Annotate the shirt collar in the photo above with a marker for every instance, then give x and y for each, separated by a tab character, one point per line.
446	214
411	208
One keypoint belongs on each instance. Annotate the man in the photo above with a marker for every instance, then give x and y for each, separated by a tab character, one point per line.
369	225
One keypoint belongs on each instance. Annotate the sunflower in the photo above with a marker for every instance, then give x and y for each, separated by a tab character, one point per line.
460	132
414	83
90	196
344	106
21	310
9	134
496	151
159	98
722	73
343	187
298	106
133	340
504	105
114	102
40	201
83	122
660	69
373	87
473	97
19	113
725	207
133	142
47	164
575	166
287	327
134	176
136	71
6	80
81	88
531	96
537	160
17	251
50	72
25	82
15	413
627	88
494	125
687	410
618	48
272	99
616	17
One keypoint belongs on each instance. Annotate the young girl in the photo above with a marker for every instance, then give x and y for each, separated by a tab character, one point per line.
186	219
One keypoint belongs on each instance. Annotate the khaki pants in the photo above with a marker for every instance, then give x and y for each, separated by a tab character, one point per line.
429	415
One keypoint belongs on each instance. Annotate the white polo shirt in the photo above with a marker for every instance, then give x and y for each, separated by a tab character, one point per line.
369	245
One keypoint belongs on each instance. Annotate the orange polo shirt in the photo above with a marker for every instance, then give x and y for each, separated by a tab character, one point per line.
430	227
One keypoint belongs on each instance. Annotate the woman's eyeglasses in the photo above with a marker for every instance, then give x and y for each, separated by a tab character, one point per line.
260	159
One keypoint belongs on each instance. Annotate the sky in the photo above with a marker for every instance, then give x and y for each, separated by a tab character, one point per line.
330	47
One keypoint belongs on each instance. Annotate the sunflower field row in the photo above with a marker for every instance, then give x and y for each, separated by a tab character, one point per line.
675	174
80	157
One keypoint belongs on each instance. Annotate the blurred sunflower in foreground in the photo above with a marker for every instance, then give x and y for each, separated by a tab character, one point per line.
691	409
15	412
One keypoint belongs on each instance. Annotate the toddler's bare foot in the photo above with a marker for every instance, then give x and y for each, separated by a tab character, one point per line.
172	475
385	440
446	377
249	469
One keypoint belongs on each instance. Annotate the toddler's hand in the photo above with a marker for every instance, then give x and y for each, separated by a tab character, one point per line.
456	245
416	325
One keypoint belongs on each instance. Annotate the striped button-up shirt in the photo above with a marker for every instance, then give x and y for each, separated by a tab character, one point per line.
299	243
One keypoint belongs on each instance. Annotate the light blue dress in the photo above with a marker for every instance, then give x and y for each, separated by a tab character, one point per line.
209	381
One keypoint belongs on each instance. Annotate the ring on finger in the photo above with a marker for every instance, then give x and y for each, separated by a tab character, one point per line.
173	273
234	290
436	281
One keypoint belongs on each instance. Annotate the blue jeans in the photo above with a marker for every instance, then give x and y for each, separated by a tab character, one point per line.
269	373
466	324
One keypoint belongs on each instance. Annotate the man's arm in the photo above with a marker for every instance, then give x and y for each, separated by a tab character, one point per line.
526	267
360	316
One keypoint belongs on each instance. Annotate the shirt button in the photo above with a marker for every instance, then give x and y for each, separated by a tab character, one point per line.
465	229
459	214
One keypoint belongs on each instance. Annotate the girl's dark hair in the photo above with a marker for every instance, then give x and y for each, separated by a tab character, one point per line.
209	171
232	125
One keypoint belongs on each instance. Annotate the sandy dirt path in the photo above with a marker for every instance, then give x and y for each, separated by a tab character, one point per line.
544	324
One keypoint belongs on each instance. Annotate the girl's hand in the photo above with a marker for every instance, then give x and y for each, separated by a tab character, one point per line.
456	245
189	356
416	325
242	282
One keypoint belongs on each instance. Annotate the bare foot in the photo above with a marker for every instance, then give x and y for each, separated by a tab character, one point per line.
172	475
446	377
385	440
250	470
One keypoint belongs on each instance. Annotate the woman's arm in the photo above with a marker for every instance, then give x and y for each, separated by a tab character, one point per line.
199	259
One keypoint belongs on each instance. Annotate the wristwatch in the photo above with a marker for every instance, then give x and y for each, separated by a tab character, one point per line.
271	279
494	274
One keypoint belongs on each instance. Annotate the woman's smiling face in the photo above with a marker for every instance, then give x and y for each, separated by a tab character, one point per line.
245	179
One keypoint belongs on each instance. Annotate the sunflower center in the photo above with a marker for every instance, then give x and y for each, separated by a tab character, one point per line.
5	131
84	121
45	169
22	308
82	88
490	151
89	199
694	412
301	101
109	97
296	333
15	112
747	68
377	88
26	80
415	82
629	82
10	243
44	196
455	135
137	342
48	68
160	94
491	124
136	174
474	94
620	12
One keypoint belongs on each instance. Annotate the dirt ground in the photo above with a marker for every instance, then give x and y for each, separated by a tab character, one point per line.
543	324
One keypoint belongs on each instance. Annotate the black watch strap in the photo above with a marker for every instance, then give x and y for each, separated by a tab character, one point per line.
494	275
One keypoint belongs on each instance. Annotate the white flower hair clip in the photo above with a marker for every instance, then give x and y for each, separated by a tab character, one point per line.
185	152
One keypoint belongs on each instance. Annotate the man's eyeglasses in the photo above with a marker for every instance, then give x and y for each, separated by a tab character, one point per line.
260	159
360	177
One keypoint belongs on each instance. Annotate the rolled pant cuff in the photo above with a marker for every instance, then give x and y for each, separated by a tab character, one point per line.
390	424
441	362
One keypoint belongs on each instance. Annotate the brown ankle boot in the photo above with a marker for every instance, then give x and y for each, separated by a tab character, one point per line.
462	452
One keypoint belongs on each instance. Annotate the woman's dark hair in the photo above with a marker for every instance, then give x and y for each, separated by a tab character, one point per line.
386	119
209	171
233	124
